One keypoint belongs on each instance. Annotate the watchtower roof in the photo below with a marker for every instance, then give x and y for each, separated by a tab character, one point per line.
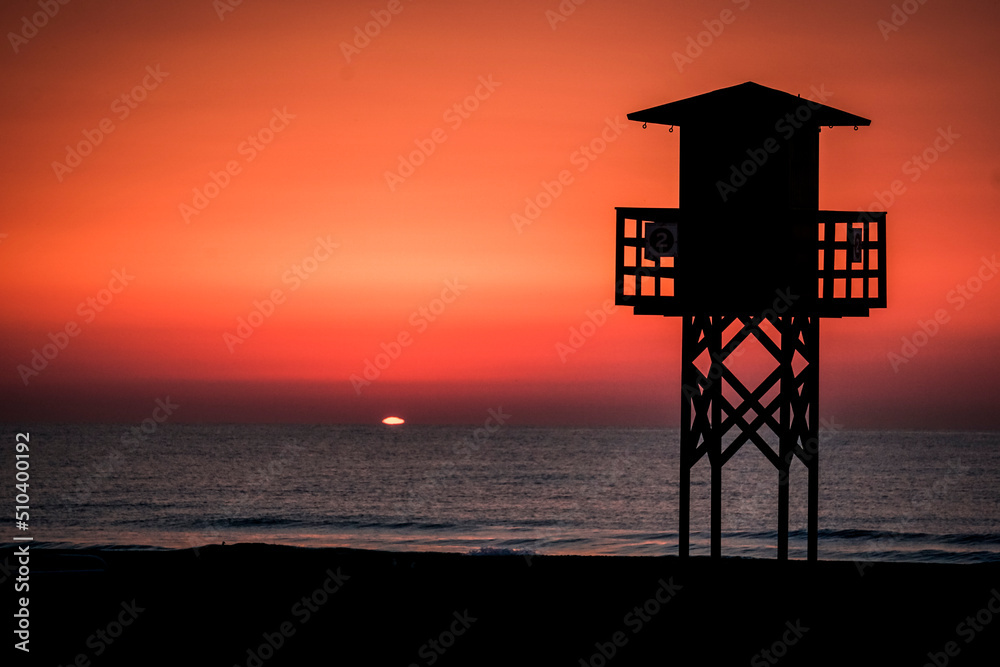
746	100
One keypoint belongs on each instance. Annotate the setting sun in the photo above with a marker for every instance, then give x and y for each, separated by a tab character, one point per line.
393	421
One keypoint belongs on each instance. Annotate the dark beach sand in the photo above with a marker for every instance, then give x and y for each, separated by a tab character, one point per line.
233	605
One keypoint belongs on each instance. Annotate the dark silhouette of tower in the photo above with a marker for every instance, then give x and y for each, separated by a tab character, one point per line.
749	253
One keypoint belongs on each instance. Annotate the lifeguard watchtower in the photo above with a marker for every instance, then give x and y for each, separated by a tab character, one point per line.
749	253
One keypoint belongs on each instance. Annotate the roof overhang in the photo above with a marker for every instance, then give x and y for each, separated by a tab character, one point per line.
746	100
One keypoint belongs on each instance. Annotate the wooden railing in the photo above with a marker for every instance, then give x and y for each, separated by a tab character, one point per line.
850	271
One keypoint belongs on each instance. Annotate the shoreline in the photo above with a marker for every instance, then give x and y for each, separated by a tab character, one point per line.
915	554
256	604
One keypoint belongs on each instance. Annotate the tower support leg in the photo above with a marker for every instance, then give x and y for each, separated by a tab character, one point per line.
811	392
690	394
799	419
700	414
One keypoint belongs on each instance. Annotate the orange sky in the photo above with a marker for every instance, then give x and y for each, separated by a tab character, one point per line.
309	128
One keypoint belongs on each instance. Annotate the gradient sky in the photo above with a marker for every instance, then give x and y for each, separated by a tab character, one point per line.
309	128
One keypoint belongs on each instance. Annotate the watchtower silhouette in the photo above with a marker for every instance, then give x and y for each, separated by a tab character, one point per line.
749	253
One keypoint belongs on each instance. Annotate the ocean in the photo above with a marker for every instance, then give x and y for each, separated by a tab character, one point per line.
884	495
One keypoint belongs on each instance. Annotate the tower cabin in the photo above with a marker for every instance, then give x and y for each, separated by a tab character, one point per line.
748	228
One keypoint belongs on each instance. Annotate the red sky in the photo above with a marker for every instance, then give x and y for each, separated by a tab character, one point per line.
311	191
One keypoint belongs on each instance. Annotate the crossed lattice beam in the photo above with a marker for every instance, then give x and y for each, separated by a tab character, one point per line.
791	413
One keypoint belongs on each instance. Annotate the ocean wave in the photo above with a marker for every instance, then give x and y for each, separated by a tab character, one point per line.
500	551
917	537
313	523
88	546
